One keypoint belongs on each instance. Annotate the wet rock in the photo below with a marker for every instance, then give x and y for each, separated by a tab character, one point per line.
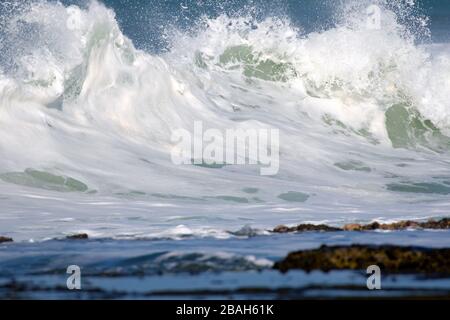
5	239
320	227
246	231
282	229
391	259
305	228
359	227
441	224
80	236
401	225
372	226
353	227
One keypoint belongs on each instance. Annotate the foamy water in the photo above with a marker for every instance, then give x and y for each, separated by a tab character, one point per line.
86	120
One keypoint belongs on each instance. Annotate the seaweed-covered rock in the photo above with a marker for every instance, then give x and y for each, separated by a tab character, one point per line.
5	239
80	236
391	259
305	228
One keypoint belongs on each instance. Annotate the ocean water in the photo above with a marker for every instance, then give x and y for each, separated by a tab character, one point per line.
193	268
90	93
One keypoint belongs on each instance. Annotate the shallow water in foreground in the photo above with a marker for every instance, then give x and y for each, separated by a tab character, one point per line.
204	268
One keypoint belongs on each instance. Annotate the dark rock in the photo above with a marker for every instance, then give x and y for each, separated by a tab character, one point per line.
372	226
441	224
320	227
246	231
5	239
282	229
81	236
305	228
360	227
401	225
391	259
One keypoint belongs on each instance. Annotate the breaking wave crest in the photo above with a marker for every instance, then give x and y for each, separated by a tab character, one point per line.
83	110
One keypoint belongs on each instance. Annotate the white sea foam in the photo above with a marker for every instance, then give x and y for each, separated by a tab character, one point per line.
363	116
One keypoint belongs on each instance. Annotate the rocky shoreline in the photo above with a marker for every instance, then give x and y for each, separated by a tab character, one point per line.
442	224
5	239
413	267
79	236
391	259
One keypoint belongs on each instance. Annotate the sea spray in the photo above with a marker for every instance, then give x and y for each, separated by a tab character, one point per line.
362	115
